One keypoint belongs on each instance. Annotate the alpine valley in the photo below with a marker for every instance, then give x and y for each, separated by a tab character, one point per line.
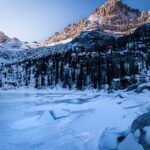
109	49
85	88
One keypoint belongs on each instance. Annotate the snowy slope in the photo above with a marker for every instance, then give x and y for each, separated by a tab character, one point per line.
14	45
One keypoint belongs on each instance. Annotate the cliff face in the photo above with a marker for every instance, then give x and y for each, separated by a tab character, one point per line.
112	16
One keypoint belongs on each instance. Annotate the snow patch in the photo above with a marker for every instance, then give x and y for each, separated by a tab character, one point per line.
61	42
130	144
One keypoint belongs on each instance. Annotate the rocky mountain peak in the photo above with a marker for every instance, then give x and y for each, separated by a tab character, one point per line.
113	2
116	12
112	17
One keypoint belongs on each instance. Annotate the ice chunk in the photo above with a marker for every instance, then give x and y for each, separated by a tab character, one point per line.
84	136
57	114
25	123
130	144
45	118
109	140
35	121
137	134
147	137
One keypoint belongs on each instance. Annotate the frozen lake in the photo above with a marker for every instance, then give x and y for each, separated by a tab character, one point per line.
63	120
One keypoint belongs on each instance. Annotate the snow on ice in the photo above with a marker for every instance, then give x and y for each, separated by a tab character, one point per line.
63	119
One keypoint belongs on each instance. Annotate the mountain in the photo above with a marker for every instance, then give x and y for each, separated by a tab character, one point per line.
3	37
108	50
11	44
94	59
112	17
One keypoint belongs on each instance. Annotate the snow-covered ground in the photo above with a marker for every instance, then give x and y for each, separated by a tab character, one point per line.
65	120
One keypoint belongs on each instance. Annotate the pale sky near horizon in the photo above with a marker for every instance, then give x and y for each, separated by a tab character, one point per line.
36	20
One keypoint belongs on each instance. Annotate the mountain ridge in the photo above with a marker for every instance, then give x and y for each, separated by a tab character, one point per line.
113	17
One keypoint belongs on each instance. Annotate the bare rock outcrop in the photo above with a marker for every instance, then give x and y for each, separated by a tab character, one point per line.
3	37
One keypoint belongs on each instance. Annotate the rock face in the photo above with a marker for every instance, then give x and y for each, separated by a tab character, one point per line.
113	16
3	37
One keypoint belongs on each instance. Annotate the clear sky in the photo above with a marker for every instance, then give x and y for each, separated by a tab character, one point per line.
36	20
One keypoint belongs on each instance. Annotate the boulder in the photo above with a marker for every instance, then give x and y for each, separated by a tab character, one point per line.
141	89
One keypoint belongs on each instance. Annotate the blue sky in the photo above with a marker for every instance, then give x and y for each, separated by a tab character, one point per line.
36	20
